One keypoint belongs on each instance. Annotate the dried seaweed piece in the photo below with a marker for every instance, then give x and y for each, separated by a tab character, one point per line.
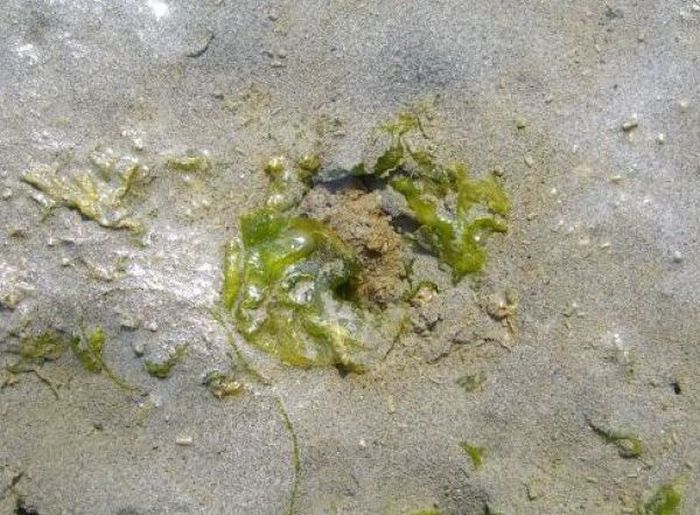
98	193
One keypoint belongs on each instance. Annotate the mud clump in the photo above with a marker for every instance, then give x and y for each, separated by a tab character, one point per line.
357	218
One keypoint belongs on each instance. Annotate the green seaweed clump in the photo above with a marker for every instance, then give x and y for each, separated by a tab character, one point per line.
289	284
475	453
222	385
190	162
163	369
472	382
628	444
98	193
456	238
665	501
442	198
88	347
290	281
293	286
47	346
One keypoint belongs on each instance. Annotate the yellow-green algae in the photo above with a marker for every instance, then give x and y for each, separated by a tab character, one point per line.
190	162
665	501
47	346
475	453
472	382
163	369
98	193
222	385
628	444
87	347
290	281
454	234
286	284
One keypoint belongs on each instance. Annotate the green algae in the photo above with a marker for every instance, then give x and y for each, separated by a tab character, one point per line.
310	163
472	382
296	455
288	184
665	501
99	193
287	288
456	238
475	453
191	162
88	347
34	351
222	385
47	346
628	444
442	198
163	369
290	283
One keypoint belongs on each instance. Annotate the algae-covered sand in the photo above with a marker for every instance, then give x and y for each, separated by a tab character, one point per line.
349	257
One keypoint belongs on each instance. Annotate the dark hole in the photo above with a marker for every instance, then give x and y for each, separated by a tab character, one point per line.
346	290
22	509
342	369
404	224
676	387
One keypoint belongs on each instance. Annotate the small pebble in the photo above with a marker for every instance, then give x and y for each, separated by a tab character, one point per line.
151	326
677	257
520	122
138	349
65	261
137	143
529	161
661	138
630	124
362	444
184	441
6	193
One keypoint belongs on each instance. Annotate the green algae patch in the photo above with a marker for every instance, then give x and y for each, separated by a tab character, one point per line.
475	453
100	192
455	212
191	162
163	369
290	283
472	382
628	444
287	286
88	347
456	239
665	501
34	351
222	385
299	291
47	346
